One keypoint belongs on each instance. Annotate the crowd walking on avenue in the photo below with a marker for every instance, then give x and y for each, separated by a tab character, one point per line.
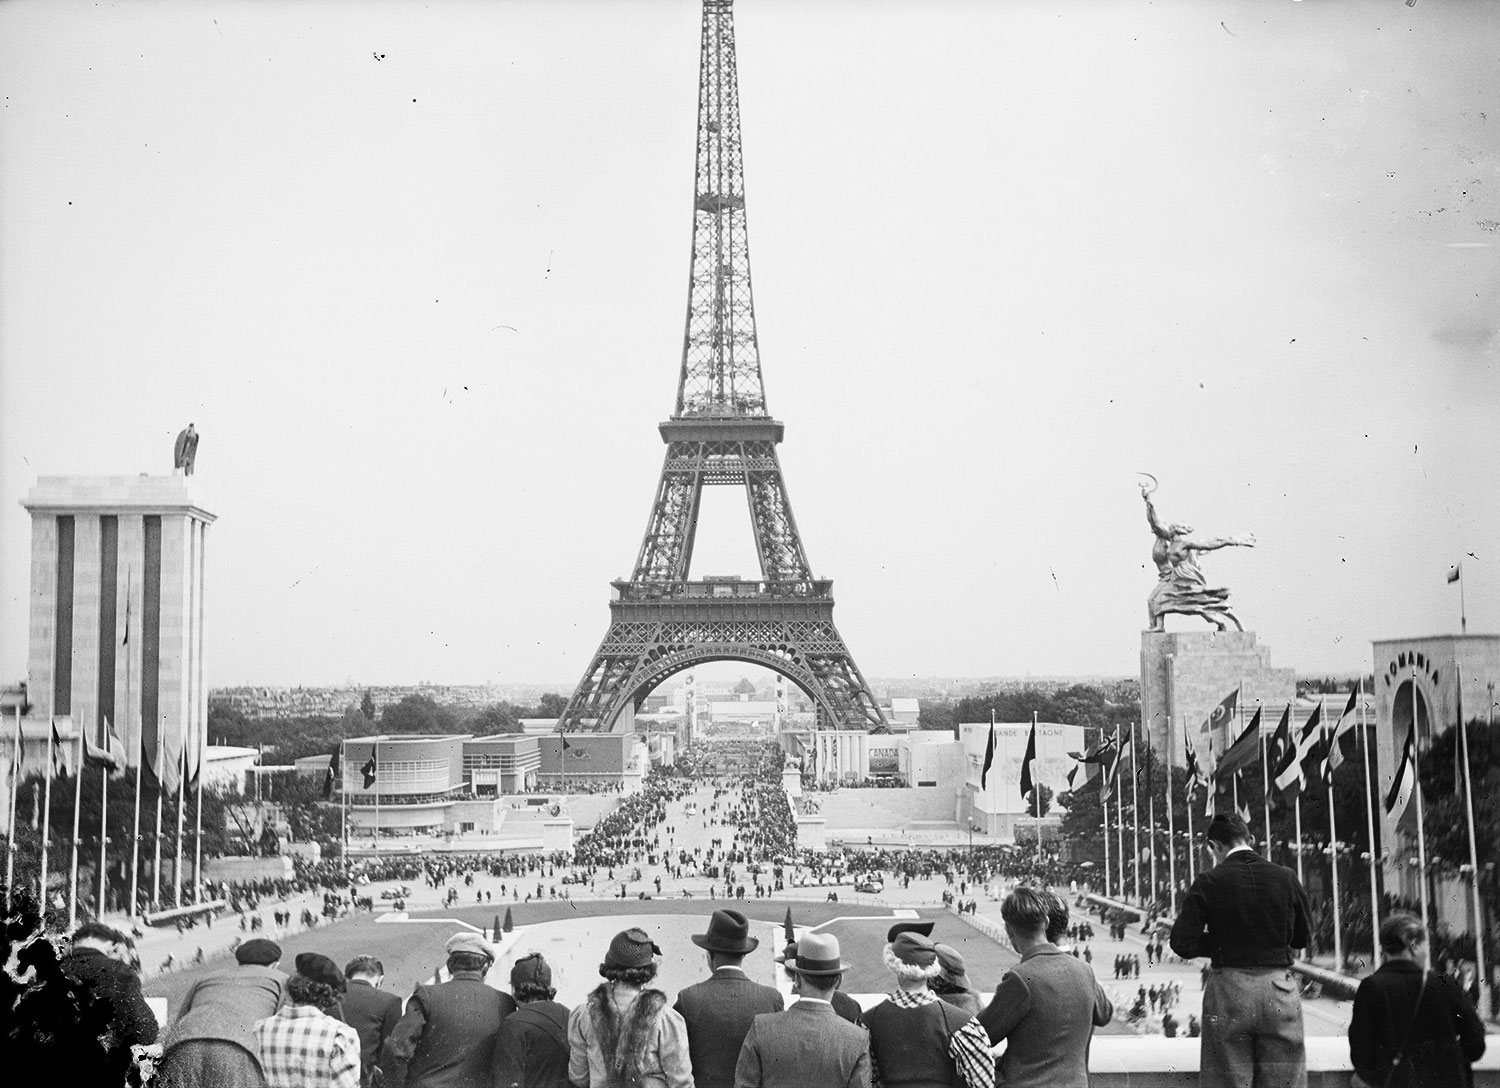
262	1022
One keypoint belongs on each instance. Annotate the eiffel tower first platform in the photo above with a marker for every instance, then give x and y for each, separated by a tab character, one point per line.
720	434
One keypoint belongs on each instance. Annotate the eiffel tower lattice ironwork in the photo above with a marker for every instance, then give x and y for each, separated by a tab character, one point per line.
720	434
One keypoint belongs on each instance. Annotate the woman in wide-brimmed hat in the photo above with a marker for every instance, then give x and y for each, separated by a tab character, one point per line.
624	1033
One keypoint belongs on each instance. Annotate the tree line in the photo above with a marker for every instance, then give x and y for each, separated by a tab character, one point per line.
285	740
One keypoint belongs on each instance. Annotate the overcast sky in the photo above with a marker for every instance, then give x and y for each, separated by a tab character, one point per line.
419	272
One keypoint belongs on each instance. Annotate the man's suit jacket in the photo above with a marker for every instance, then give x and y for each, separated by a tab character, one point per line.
374	1014
719	1012
226	1004
1047	1007
808	1046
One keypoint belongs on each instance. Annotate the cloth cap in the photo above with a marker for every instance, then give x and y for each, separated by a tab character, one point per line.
919	926
631	948
914	949
258	951
468	942
953	963
531	969
817	954
728	931
319	968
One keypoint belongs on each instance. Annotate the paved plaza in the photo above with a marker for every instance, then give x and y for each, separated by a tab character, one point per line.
574	932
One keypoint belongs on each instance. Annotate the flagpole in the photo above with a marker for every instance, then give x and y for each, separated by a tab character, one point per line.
135	838
1120	828
1135	815
1151	842
1479	928
47	822
1036	789
77	812
1364	749
1333	849
1463	613
1416	766
1192	847
198	834
343	805
377	798
1171	830
181	800
15	791
1105	807
1265	790
161	757
104	770
1297	828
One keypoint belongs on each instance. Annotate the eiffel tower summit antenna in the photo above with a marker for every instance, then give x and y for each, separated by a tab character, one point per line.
720	434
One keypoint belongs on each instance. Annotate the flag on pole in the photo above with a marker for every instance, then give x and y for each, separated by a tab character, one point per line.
1095	759
1339	742
101	757
59	764
1221	715
1398	801
1455	572
1195	775
1110	768
989	755
1290	779
1281	740
368	770
333	774
1243	752
1027	782
1073	774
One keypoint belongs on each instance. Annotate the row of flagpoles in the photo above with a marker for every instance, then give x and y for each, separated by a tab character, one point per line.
87	755
1289	765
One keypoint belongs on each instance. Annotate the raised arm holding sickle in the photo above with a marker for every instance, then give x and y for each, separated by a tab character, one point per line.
1181	587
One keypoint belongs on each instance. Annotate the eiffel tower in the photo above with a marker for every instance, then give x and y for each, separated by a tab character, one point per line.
720	434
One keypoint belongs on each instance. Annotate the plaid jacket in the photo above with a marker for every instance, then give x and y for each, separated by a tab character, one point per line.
302	1047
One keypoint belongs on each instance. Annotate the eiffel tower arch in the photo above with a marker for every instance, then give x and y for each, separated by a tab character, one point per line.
720	435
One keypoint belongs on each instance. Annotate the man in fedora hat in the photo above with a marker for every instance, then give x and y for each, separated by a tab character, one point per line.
808	1045
720	1009
843	1004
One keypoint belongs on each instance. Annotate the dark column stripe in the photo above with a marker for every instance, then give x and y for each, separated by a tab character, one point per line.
109	569
151	640
62	648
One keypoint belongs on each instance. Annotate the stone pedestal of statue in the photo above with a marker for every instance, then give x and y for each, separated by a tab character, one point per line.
812	833
557	835
1186	674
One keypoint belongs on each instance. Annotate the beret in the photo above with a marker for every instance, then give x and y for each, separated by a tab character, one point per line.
258	951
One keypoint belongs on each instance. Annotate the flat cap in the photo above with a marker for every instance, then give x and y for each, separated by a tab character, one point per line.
469	942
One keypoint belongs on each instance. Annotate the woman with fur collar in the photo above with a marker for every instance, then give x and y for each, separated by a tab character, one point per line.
624	1034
